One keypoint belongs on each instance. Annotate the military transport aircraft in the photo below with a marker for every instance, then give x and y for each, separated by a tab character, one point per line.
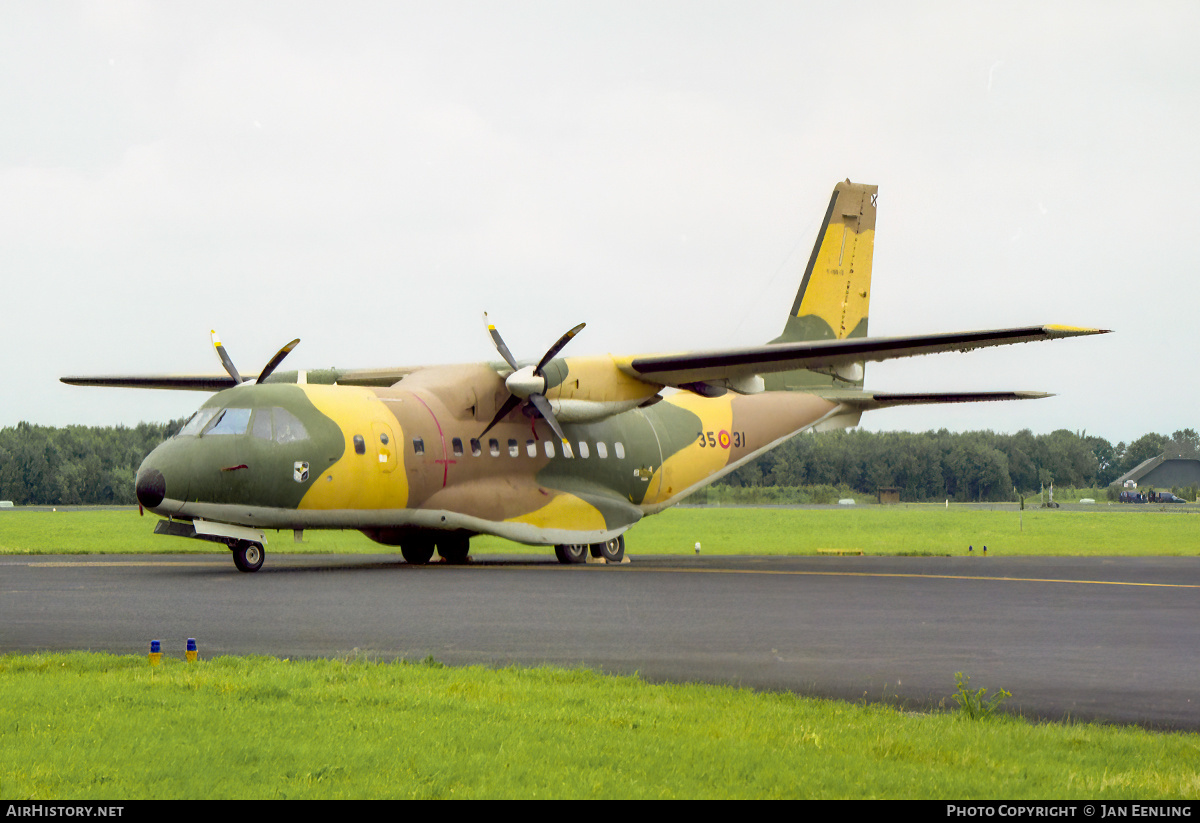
565	452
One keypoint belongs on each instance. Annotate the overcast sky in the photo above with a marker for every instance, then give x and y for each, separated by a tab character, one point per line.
372	176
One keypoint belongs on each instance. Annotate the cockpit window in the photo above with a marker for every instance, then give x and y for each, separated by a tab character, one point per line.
288	428
260	424
230	421
197	422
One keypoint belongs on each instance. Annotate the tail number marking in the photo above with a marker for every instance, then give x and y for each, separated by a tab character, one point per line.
711	440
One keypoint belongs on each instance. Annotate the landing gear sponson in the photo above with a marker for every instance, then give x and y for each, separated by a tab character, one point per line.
248	546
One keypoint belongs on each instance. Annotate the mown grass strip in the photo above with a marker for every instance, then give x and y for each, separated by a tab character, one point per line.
874	530
96	726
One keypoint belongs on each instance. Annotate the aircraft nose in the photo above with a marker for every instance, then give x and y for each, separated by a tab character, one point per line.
151	487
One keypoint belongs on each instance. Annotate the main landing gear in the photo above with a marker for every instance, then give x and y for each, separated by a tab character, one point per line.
247	555
454	548
610	551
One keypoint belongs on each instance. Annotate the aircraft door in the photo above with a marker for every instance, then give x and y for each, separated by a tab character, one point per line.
646	456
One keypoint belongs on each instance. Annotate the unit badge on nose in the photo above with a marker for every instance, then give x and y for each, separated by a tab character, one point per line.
300	471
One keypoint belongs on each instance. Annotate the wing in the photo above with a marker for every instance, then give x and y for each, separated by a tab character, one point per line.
692	368
219	382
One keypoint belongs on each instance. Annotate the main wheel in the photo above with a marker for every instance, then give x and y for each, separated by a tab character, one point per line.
417	550
454	548
613	551
571	552
248	556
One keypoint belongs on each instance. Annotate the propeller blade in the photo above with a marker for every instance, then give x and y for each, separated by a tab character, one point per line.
511	403
277	359
500	347
225	361
540	403
557	347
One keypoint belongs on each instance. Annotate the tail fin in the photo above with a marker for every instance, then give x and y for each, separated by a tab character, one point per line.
836	289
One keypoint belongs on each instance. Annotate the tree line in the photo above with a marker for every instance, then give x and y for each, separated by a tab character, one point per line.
966	466
75	465
82	465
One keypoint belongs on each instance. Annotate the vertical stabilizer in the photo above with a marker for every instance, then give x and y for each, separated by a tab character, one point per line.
836	289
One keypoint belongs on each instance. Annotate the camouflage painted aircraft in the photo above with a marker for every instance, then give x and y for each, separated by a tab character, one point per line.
565	452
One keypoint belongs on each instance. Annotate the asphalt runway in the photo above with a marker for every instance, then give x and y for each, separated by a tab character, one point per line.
1110	639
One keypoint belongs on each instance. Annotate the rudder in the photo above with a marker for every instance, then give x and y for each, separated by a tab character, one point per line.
835	292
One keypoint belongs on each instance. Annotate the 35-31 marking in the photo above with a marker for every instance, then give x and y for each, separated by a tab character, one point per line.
722	439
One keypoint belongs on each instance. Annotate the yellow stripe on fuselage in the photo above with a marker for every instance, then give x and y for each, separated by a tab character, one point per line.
695	462
564	511
373	480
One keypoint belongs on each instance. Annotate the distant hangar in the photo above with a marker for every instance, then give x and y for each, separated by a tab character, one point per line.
1162	472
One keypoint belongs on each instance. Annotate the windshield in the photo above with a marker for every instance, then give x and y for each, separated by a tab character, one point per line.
197	422
231	421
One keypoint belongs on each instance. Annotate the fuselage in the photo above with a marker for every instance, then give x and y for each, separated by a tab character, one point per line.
413	457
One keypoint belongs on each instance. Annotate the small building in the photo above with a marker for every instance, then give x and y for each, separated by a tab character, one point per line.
1162	472
889	494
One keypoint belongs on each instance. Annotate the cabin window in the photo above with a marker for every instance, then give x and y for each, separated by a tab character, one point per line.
531	448
418	445
198	421
476	450
360	445
583	449
513	449
601	450
549	448
383	438
230	421
619	450
288	428
567	453
456	443
494	447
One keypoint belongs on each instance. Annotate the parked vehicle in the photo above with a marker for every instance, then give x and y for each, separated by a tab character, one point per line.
1132	497
1165	497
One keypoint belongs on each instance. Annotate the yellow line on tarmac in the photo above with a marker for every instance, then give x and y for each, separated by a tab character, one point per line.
66	564
924	576
668	570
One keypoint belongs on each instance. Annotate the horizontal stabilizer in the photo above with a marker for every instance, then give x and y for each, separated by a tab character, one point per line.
865	401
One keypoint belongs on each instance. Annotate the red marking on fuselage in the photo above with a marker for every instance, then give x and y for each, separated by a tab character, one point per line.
444	460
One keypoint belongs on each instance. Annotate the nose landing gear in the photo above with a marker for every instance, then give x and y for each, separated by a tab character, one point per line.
247	555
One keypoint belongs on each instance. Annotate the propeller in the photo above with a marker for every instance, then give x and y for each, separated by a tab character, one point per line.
227	362
528	383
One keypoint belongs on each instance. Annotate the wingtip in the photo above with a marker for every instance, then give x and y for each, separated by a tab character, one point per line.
1072	331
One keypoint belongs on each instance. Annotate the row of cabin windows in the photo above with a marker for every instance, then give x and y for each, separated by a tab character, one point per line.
531	448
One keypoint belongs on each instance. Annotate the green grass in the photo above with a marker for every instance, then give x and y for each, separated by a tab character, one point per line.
912	529
83	725
100	726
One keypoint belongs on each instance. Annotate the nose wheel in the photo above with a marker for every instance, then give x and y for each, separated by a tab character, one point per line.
247	556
